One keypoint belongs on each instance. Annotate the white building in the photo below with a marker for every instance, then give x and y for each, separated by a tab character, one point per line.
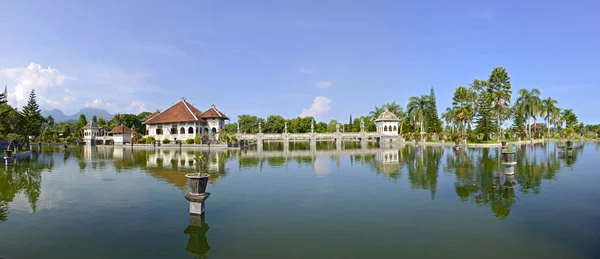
121	134
90	132
387	125
183	121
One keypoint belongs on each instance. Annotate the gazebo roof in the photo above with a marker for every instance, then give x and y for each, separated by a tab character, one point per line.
91	125
121	129
387	115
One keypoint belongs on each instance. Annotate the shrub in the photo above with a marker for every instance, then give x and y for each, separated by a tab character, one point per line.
428	138
141	141
440	137
189	141
166	141
472	137
197	140
456	136
149	140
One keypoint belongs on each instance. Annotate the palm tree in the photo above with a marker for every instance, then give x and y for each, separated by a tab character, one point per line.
394	108
529	102
499	90
103	125
416	107
374	114
548	108
449	117
556	120
463	101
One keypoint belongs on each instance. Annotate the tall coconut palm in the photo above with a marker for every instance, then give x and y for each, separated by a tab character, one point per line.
548	108
376	112
416	108
529	102
556	119
394	108
103	125
463	101
449	117
499	90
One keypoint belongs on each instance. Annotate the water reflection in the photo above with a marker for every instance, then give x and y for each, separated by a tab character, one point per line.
477	173
197	242
23	177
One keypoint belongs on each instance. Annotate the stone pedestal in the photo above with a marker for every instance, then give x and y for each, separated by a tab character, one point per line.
509	168
197	202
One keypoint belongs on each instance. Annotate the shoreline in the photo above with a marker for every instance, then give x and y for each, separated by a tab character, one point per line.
225	147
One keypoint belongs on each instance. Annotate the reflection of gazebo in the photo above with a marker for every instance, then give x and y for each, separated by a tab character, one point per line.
387	161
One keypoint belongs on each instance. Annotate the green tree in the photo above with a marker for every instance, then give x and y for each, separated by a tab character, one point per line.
10	118
321	127
569	118
103	125
80	124
463	105
274	124
249	123
548	109
231	127
31	118
417	107
3	97
518	119
374	114
530	104
499	91
331	127
432	121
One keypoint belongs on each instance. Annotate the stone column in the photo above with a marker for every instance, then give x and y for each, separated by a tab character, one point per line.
259	137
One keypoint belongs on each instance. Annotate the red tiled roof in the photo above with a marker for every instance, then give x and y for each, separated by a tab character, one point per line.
212	112
120	129
152	115
180	112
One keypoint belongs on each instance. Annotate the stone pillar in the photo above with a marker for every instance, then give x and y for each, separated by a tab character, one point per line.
197	202
238	127
259	127
312	127
285	128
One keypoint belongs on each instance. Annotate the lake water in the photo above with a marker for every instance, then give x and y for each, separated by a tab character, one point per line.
407	202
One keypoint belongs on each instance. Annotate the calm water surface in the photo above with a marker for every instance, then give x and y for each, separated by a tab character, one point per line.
407	202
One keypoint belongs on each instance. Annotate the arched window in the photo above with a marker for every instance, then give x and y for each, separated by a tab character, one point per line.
214	130
395	129
206	130
190	130
196	130
182	130
385	128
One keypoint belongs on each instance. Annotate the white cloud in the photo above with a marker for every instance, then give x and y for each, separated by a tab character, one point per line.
306	71
323	84
99	104
134	107
322	166
137	107
319	106
45	81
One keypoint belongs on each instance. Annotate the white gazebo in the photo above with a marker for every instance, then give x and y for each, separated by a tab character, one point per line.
387	125
90	132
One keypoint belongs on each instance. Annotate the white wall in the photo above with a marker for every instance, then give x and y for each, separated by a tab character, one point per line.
122	138
210	123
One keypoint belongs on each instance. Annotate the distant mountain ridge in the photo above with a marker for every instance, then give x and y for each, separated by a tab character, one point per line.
60	116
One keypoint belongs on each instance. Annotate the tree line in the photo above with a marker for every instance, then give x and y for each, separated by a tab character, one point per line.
29	122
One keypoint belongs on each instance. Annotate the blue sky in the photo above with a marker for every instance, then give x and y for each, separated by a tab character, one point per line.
323	58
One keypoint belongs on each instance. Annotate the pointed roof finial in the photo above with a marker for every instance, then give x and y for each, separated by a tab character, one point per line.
183	99
212	106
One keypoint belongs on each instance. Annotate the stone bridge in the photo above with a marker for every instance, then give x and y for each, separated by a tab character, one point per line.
313	137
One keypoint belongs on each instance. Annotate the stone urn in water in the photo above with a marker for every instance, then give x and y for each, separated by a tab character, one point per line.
197	181
569	144
508	155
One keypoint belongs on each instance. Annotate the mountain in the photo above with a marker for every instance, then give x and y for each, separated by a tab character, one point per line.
60	116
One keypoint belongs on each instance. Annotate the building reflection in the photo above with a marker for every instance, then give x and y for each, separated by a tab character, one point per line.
197	242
